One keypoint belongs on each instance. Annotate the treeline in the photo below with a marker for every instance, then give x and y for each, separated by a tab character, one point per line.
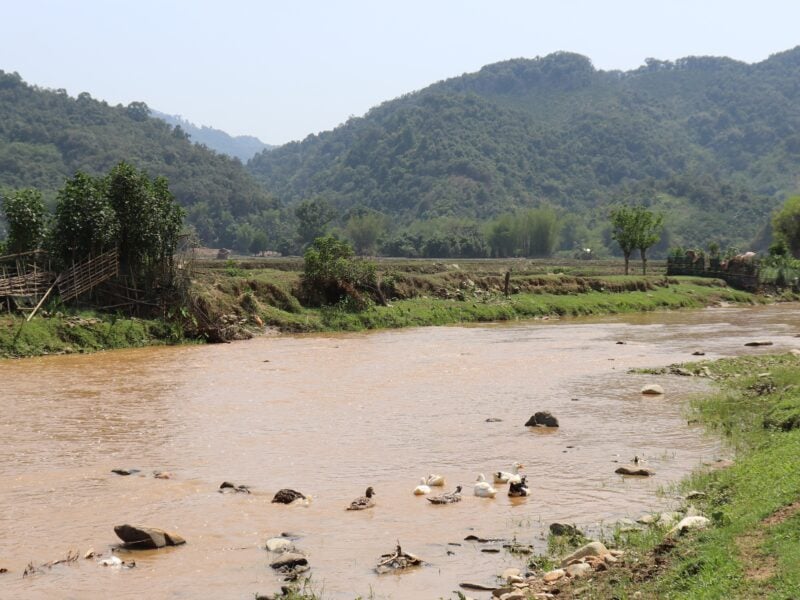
46	136
125	210
534	232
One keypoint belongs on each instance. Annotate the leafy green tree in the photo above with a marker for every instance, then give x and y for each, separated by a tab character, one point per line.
313	217
650	226
624	231
149	222
85	221
259	243
26	219
501	236
537	231
331	275
635	227
365	230
786	224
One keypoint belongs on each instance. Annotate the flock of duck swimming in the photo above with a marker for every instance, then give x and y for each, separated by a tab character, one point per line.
517	487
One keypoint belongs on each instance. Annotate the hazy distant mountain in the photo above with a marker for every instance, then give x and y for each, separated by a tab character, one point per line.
712	141
243	147
46	135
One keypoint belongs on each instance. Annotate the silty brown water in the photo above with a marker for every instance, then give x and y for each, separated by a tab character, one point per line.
330	416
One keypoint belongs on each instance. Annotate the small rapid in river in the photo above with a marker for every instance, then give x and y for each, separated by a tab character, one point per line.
329	416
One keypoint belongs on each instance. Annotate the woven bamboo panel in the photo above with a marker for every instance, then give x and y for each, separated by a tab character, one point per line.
82	277
29	284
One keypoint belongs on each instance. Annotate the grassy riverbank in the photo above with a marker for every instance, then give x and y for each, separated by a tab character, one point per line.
432	293
80	332
235	300
750	550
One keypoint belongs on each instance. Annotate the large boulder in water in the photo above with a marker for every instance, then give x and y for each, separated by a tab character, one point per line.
542	419
145	538
289	560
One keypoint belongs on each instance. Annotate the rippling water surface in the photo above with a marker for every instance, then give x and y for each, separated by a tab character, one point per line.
330	416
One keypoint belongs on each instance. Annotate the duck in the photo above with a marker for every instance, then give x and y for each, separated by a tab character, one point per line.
509	477
435	480
517	489
364	501
287	496
423	488
483	488
449	498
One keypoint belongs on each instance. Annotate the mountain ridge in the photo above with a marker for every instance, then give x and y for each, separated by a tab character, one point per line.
243	147
705	133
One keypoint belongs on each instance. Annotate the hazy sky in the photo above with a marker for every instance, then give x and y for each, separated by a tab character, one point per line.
282	70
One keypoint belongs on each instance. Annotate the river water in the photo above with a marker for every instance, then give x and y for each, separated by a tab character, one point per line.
330	415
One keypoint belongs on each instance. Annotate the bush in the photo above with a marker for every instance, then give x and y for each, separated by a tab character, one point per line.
331	275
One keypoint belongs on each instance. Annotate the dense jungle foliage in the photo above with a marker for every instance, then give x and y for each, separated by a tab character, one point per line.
47	136
712	143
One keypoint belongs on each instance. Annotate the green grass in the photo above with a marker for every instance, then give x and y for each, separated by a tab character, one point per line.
743	555
433	311
84	332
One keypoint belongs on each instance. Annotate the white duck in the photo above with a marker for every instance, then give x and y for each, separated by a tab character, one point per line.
483	488
509	477
423	488
435	480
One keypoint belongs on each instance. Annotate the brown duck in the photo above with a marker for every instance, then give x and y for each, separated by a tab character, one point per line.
364	501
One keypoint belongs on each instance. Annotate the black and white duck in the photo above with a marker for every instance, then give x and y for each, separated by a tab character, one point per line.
517	489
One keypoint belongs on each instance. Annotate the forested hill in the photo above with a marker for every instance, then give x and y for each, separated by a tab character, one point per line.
46	135
243	147
713	141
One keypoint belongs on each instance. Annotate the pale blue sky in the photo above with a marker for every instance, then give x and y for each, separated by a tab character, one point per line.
282	70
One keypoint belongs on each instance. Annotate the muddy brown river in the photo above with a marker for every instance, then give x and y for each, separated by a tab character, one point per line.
330	415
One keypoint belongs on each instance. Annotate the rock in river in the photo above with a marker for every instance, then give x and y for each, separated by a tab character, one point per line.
143	538
542	419
279	544
288	561
125	472
637	471
653	389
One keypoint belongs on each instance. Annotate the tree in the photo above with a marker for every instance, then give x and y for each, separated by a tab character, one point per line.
26	219
313	217
365	230
635	227
332	275
649	225
85	222
786	224
149	221
501	237
537	231
259	243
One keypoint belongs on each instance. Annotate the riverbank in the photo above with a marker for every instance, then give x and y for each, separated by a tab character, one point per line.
432	293
80	332
747	512
229	301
